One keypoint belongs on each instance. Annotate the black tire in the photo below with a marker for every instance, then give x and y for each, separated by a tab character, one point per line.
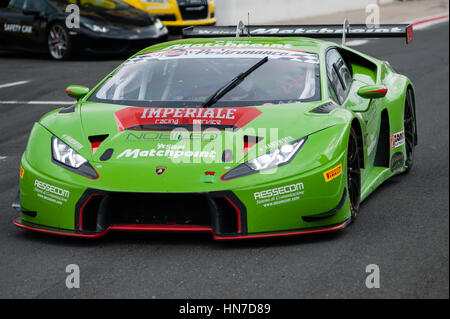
353	174
58	42
409	124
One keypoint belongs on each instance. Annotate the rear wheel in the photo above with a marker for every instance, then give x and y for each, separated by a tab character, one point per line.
59	44
353	174
409	123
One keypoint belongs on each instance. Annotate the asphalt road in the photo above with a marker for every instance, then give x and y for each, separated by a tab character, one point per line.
403	226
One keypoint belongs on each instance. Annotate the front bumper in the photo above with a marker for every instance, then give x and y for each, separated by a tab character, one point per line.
53	206
55	199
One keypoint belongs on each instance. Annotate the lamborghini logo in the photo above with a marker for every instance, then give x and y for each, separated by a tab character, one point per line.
160	170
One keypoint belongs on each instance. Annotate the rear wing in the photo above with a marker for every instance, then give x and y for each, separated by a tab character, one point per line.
312	31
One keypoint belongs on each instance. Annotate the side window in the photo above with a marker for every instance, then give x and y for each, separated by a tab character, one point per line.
34	4
16	5
339	76
4	3
332	92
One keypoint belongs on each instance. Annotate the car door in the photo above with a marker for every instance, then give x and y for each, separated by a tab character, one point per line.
37	39
343	86
13	24
21	27
8	30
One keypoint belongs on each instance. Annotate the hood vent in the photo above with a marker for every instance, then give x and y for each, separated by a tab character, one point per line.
325	108
96	140
249	141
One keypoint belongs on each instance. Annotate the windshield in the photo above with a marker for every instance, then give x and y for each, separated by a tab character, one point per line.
187	77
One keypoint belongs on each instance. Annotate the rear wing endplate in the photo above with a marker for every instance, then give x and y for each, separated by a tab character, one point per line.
312	31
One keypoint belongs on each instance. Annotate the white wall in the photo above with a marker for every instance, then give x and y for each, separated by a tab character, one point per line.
229	12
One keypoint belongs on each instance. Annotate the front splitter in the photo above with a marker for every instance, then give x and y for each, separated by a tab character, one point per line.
175	228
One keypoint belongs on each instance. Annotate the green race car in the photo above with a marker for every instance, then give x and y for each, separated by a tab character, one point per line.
267	134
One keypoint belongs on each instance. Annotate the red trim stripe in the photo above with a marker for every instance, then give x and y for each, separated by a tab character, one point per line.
169	228
419	22
382	91
94	146
164	228
80	218
238	212
304	232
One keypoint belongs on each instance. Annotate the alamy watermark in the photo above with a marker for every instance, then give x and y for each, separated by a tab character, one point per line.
73	17
73	279
373	279
373	15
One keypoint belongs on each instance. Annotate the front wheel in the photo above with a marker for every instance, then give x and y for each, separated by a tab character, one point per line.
59	43
353	174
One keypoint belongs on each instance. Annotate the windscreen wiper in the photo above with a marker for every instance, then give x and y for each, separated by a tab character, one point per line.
232	84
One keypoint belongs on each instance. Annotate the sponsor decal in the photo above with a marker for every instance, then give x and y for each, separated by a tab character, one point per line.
333	173
301	30
73	142
397	161
50	192
279	195
160	170
170	146
397	139
169	153
277	143
171	136
164	119
204	53
8	27
230	44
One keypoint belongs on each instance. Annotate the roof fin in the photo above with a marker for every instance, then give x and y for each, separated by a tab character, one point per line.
345	30
240	29
248	24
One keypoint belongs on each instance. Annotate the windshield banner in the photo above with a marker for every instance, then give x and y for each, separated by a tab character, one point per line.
203	53
168	118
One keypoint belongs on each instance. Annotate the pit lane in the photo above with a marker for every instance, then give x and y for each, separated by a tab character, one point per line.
403	226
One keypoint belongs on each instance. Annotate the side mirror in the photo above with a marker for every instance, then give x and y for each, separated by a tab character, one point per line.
372	91
77	91
31	12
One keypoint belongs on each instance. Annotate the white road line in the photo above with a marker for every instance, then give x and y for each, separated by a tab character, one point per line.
2	158
7	85
38	102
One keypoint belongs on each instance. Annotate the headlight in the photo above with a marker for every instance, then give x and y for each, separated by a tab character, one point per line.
273	159
276	157
66	155
96	27
158	24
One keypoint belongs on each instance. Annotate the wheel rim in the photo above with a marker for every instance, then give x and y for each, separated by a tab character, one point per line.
57	41
353	176
409	129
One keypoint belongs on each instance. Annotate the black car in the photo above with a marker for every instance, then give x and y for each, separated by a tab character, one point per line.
105	27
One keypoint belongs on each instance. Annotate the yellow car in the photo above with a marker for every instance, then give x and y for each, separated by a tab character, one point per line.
179	13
